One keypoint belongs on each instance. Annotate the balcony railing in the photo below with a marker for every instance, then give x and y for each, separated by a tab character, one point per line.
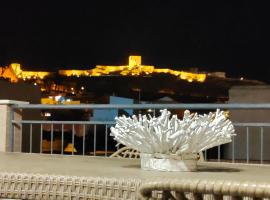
92	136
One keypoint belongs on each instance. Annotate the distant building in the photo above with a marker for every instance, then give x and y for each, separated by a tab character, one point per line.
110	114
250	94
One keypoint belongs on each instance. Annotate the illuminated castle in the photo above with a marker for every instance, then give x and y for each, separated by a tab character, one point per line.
134	68
94	84
14	72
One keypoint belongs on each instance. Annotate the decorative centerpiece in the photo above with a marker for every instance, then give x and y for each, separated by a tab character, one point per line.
169	144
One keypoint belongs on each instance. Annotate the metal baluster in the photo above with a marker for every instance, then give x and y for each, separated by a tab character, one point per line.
233	154
261	145
218	153
247	145
73	139
12	130
31	134
13	142
51	138
21	145
84	139
106	140
95	138
41	137
62	139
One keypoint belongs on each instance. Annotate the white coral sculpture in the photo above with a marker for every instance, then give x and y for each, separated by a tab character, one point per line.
170	135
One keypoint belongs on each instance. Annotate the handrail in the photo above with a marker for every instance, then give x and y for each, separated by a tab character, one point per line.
249	124
61	122
147	106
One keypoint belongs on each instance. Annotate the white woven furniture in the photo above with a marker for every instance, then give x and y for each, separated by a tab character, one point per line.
34	176
126	152
40	186
204	189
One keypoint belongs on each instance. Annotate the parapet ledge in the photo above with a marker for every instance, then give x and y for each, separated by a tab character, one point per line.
11	102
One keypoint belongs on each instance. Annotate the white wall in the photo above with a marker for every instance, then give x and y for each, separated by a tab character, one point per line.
250	94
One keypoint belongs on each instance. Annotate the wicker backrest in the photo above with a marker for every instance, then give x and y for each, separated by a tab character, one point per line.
204	190
126	152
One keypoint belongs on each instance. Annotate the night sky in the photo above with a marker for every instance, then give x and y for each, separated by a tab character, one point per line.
177	34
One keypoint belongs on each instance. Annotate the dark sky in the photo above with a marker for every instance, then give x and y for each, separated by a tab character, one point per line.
178	34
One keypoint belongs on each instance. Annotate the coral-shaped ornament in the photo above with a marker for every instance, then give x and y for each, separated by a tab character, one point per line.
165	141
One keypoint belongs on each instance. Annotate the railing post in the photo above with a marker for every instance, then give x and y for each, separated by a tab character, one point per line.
10	135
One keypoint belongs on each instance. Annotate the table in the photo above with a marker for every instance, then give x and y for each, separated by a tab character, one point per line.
41	176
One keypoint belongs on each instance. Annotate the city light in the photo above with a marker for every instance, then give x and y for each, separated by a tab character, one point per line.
58	97
47	114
